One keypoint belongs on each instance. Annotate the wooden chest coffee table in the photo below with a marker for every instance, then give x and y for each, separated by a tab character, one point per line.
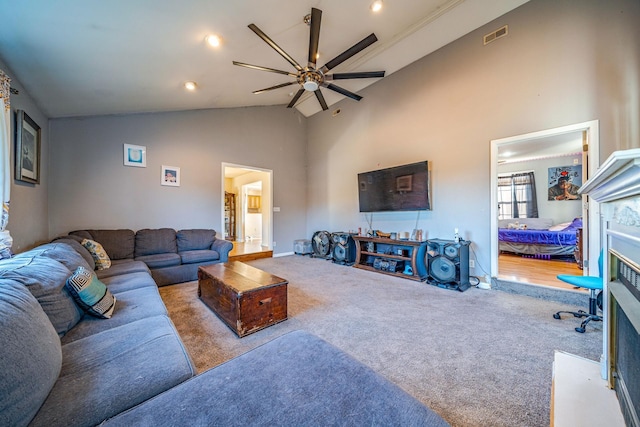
247	299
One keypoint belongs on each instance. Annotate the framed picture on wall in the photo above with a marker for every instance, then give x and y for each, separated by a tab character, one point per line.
28	135
170	176
564	182
135	155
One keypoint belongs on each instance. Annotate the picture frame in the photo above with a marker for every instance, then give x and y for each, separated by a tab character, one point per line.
27	159
170	176
135	155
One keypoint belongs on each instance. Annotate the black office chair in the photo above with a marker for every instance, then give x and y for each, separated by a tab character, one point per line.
594	284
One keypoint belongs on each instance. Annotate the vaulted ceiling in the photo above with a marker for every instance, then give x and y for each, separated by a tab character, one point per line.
93	57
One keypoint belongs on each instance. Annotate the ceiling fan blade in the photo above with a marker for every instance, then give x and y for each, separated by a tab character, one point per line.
258	67
343	91
314	36
362	44
295	98
361	75
273	87
321	100
277	48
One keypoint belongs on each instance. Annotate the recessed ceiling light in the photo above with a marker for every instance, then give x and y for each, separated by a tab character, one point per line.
376	6
190	86
213	40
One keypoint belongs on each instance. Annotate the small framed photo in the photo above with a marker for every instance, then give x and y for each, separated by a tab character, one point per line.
28	135
135	155
170	176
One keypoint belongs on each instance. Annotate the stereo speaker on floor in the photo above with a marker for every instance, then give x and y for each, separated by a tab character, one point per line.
344	248
448	264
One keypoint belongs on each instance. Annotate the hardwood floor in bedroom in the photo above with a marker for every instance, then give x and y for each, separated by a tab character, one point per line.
536	271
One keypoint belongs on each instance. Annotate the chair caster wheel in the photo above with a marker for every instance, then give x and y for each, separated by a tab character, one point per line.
581	330
556	316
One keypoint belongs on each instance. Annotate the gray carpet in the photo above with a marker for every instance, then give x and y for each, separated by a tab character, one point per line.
477	358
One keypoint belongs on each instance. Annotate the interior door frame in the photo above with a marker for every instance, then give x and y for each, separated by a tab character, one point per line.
267	197
590	208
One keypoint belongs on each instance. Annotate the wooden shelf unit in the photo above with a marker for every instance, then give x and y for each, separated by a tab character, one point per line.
387	249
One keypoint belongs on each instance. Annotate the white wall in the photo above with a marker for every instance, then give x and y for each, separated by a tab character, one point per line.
28	208
559	65
90	187
558	210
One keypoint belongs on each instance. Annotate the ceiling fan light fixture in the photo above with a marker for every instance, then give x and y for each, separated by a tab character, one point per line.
213	40
310	82
376	6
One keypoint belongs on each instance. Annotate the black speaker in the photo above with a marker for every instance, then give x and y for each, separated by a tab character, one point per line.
448	264
343	248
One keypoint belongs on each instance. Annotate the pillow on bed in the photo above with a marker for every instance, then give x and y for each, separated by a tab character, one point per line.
559	227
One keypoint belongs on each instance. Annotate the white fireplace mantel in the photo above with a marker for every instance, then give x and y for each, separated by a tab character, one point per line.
616	186
616	179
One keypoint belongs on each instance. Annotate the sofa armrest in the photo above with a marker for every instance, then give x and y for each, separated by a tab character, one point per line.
223	247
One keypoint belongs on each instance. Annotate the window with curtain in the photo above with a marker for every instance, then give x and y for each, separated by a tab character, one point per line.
517	196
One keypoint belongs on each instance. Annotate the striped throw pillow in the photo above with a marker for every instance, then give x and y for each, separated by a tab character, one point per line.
91	294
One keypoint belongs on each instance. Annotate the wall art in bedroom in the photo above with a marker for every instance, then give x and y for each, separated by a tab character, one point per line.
564	182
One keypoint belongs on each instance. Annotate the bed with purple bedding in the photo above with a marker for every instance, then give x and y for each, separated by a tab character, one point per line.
558	240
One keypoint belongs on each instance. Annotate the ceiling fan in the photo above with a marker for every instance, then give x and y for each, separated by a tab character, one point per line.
310	78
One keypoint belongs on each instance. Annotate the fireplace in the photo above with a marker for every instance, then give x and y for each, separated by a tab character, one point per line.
616	189
624	357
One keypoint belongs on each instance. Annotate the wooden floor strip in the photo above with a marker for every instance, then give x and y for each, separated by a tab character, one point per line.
517	268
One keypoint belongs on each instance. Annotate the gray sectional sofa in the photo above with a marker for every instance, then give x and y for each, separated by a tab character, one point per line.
62	367
172	256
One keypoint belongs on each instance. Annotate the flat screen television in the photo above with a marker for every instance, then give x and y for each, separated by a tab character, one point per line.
400	188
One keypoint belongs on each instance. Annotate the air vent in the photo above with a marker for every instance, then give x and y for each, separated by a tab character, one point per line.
500	32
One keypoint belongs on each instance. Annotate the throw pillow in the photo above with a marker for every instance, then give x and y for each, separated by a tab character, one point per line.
91	294
98	253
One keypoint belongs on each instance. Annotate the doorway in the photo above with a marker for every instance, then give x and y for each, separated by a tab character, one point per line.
249	221
574	144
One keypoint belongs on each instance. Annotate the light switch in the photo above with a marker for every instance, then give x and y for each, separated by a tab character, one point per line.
276	208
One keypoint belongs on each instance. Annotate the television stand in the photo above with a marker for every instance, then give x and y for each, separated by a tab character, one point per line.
399	258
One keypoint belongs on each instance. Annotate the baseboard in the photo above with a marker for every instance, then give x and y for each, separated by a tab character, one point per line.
283	254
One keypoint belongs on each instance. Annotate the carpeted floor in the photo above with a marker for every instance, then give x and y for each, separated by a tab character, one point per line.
477	358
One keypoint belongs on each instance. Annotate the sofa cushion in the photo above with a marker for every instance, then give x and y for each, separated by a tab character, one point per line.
91	294
133	305
294	380
109	372
61	252
74	242
129	281
160	260
155	241
190	257
45	278
119	244
194	239
121	267
30	354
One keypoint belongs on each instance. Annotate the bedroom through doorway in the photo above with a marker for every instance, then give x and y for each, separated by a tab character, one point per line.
541	222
